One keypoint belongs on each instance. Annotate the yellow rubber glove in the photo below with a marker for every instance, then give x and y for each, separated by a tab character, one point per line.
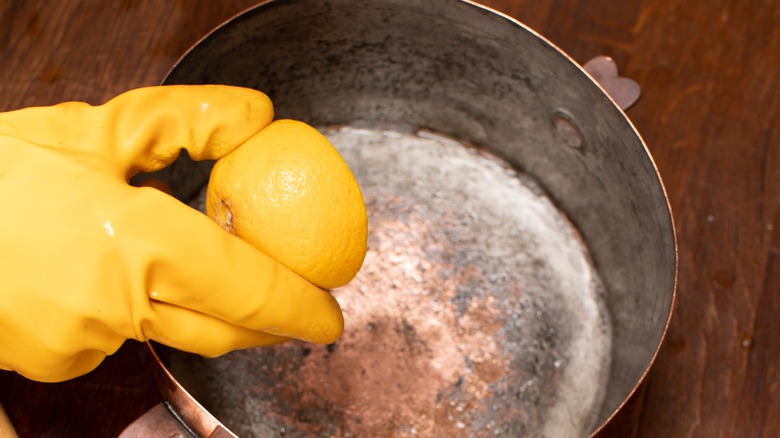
89	261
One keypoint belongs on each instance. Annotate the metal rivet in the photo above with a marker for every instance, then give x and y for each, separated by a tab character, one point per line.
567	130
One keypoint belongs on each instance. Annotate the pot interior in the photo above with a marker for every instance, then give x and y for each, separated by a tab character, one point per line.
406	91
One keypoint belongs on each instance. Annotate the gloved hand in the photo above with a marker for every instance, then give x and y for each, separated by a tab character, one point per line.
89	261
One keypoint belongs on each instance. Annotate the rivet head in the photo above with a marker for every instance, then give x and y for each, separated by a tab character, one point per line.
567	130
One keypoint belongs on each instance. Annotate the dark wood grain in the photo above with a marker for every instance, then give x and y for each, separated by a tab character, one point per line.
710	73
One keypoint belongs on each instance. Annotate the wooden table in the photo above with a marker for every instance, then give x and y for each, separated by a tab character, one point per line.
710	72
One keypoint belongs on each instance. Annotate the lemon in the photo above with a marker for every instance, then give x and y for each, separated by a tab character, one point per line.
288	192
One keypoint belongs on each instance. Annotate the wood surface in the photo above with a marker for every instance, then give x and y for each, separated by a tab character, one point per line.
710	74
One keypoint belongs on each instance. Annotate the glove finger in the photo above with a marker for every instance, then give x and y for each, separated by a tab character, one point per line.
145	129
195	264
57	369
199	333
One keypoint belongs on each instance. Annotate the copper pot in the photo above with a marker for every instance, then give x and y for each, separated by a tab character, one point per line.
522	265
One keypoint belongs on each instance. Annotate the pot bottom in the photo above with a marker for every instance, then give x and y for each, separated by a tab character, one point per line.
477	312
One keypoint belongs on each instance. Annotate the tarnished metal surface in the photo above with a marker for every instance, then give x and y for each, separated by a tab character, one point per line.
477	312
454	67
